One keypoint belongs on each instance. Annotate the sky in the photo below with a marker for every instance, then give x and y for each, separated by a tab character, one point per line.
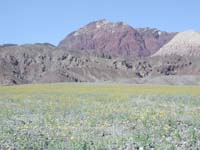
40	21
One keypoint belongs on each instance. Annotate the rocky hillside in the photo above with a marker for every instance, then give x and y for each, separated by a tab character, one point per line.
185	43
154	39
45	63
106	51
116	39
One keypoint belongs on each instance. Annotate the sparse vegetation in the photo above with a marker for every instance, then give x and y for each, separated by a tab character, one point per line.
99	116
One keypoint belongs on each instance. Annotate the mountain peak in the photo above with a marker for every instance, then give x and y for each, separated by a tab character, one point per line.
116	39
99	23
105	21
190	31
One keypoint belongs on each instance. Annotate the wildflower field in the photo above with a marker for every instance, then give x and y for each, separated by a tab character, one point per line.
99	117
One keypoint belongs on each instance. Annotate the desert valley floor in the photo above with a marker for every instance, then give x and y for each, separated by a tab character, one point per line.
99	116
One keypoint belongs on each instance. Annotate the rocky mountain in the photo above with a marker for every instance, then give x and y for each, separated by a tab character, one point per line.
154	39
116	39
185	43
45	63
106	51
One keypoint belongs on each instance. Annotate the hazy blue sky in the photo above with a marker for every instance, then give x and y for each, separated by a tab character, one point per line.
31	21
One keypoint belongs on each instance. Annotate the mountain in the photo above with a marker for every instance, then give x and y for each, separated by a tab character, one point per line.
185	43
116	39
106	51
44	63
154	39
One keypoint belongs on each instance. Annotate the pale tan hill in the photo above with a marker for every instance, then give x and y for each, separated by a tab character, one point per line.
185	43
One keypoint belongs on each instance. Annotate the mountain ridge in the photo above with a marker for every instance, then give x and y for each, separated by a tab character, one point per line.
106	51
118	39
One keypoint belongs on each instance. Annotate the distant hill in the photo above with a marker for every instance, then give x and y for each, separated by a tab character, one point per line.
185	43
